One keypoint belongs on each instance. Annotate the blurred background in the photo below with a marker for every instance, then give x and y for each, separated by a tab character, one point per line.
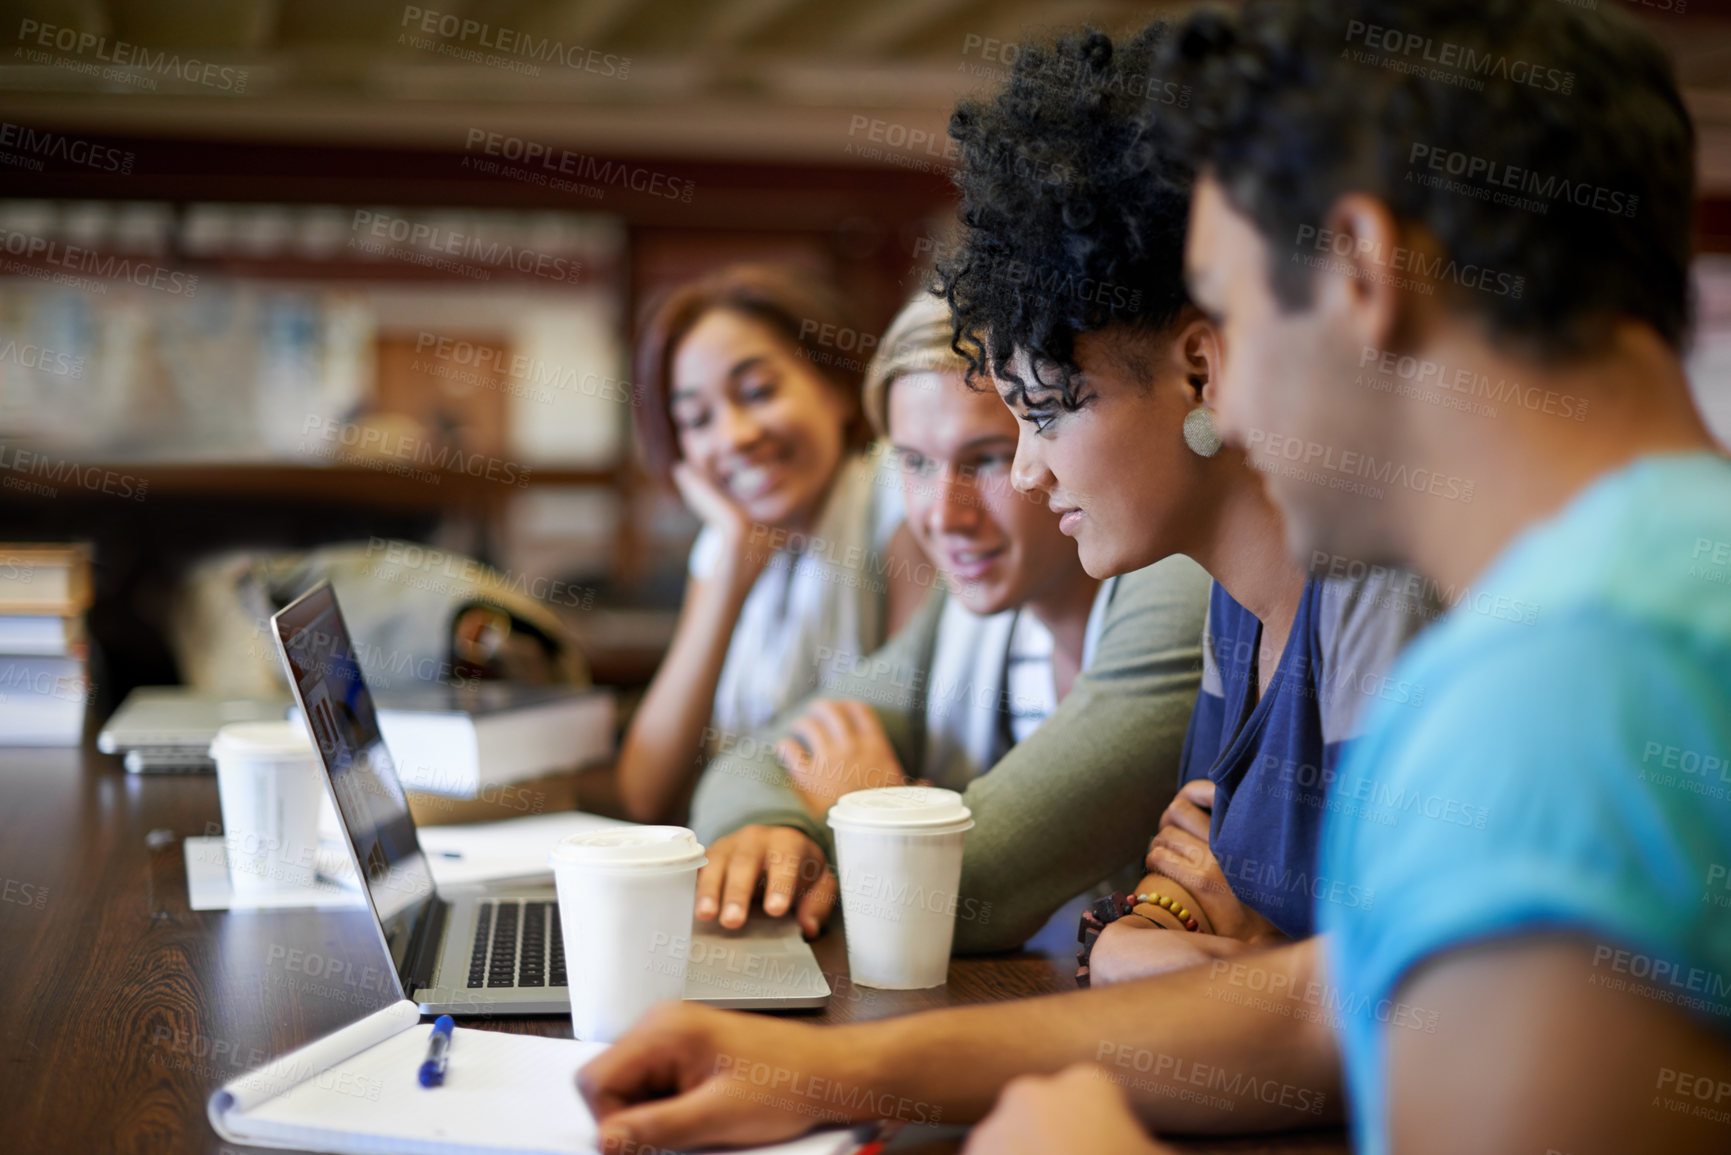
276	274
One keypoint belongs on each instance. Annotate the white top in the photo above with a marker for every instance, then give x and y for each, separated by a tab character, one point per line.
984	668
1030	686
633	848
903	808
263	742
826	598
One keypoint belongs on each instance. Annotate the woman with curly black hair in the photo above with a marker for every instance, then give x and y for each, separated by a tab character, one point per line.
1067	295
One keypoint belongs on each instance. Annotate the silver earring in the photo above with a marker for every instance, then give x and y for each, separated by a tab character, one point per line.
1200	432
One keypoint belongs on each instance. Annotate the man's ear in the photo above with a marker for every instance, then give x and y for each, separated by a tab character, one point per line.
1358	288
1198	353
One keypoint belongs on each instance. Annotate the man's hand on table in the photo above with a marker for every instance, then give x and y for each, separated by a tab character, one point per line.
1078	1109
690	1076
791	867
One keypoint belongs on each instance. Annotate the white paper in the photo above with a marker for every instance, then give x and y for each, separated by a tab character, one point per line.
208	886
514	850
294	1069
361	1093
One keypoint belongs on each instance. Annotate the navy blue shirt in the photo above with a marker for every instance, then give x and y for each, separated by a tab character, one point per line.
1272	759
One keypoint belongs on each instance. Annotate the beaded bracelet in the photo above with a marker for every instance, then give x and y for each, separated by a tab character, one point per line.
1108	910
1180	912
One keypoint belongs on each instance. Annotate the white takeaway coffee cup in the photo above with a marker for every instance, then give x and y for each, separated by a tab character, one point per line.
899	859
625	899
269	782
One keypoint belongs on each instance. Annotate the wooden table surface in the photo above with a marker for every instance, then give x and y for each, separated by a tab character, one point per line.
121	1009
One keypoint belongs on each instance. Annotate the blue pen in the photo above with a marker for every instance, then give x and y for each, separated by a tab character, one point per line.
438	1052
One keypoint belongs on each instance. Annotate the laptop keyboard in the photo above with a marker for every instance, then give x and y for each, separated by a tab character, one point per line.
517	944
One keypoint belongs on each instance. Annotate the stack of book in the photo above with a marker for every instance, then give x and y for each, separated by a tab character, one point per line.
488	750
44	657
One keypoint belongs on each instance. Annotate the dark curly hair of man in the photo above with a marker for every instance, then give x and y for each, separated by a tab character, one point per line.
1541	141
1072	220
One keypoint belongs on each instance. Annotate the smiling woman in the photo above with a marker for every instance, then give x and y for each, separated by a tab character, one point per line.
1026	685
752	409
743	345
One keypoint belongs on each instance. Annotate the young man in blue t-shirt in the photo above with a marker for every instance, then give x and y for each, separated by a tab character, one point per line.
1448	245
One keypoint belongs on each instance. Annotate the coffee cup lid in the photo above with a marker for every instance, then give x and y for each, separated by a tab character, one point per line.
282	741
902	807
629	848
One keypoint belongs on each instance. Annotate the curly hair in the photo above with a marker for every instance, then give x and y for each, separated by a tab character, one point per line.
1072	220
1541	140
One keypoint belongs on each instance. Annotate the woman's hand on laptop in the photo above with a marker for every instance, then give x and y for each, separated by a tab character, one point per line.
835	748
693	1076
792	869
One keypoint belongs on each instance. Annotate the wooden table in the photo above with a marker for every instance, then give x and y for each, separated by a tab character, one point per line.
121	1009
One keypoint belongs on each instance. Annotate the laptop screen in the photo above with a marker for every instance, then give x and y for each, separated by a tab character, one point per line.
369	797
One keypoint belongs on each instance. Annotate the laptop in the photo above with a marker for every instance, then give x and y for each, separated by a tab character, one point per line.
492	949
168	729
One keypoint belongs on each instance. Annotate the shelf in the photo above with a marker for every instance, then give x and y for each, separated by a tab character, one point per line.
396	485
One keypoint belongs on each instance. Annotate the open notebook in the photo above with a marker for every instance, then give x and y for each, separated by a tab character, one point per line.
356	1090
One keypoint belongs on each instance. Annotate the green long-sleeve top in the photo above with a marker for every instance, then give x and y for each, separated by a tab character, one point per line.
1068	806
